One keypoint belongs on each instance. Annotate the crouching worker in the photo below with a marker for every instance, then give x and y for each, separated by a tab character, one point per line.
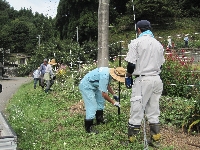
94	88
49	75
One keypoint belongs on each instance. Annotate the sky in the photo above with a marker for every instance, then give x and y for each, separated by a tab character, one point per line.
47	7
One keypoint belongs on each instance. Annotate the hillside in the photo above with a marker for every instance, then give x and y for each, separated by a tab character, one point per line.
176	30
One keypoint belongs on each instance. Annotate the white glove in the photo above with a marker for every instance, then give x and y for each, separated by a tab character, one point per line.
117	104
115	97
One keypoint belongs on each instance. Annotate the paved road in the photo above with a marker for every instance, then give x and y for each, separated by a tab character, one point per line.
10	86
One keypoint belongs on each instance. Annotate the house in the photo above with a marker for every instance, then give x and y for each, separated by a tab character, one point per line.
18	59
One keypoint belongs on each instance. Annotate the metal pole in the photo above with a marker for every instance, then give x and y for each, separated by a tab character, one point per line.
77	41
3	59
70	53
77	34
39	41
119	87
134	19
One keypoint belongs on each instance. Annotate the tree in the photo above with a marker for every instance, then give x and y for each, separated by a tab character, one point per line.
157	11
73	13
103	23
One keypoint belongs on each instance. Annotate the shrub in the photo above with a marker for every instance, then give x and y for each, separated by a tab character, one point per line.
179	76
181	79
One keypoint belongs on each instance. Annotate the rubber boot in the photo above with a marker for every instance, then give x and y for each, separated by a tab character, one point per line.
46	90
99	117
155	135
89	126
133	131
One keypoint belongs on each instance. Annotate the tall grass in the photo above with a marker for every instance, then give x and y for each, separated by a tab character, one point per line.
47	121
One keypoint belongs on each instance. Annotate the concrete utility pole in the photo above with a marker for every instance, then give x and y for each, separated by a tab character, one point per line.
103	23
39	36
77	34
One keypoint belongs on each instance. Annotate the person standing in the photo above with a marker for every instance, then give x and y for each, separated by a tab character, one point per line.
186	40
42	70
49	75
169	40
145	59
94	88
36	76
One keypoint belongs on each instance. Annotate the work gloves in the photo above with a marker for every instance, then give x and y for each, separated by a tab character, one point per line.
128	82
115	97
117	104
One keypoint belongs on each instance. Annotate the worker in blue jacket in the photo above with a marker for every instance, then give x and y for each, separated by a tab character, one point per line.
94	88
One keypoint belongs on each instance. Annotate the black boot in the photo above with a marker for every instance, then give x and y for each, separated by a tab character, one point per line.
155	135
46	90
89	126
133	131
99	117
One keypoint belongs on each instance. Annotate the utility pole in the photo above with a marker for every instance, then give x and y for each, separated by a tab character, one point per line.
77	34
2	56
103	23
39	36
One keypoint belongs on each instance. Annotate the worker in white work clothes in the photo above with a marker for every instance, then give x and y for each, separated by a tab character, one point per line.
94	88
145	58
49	75
36	77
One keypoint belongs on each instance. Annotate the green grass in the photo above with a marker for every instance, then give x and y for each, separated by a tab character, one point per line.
44	121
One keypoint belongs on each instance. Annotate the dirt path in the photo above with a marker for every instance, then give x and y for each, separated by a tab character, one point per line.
171	136
10	86
179	139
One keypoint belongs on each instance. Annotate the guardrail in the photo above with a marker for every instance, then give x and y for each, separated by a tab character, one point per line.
8	138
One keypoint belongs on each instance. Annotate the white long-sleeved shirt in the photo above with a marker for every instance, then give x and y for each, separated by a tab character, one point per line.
148	55
36	73
49	69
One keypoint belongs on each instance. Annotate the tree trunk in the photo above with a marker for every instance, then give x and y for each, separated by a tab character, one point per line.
103	23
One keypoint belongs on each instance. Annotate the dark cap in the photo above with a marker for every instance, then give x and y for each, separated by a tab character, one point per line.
143	24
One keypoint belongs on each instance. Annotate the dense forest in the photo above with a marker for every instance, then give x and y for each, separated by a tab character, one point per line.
32	33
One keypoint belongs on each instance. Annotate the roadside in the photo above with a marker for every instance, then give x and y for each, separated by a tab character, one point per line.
171	136
10	86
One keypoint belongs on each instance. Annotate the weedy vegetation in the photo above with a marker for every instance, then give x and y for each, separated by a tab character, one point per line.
55	120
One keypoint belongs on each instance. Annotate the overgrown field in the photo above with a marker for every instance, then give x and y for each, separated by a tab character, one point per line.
55	120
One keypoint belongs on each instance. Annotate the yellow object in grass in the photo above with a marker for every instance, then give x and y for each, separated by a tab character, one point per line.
156	137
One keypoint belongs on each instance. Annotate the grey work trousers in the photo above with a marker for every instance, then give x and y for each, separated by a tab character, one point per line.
42	80
146	93
49	83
